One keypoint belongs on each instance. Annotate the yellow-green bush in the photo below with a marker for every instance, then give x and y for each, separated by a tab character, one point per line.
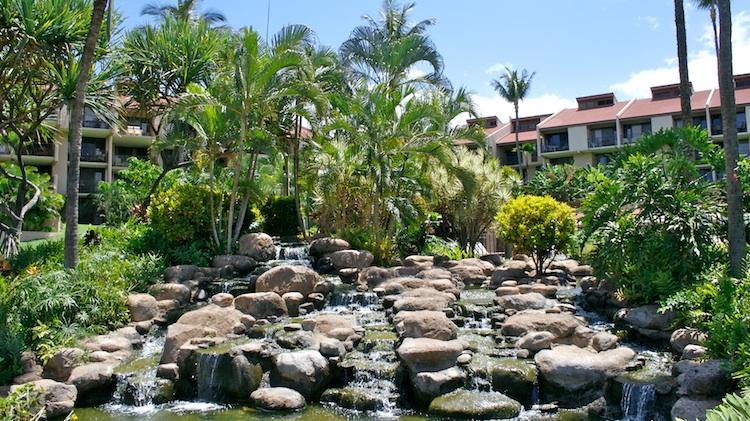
536	225
182	214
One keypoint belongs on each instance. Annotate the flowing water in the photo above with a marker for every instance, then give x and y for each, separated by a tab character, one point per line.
638	401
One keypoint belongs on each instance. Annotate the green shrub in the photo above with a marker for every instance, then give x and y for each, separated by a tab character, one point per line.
565	183
181	214
653	226
384	250
436	246
46	210
23	404
733	407
120	199
538	226
280	216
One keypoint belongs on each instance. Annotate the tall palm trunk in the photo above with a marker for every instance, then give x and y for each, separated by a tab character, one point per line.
737	243
716	33
295	175
74	135
518	144
682	60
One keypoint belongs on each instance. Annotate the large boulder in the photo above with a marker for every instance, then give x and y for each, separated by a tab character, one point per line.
687	336
515	378
687	408
95	383
58	367
277	399
142	307
344	259
424	354
511	269
258	246
710	378
261	304
469	274
180	273
57	398
423	299
530	301
335	326
290	278
425	324
211	320
428	385
562	325
647	321
357	398
179	334
240	264
327	245
573	369
536	341
177	292
474	405
419	261
307	372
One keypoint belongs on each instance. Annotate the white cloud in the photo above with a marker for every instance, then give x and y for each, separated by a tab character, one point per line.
543	104
497	68
701	65
651	21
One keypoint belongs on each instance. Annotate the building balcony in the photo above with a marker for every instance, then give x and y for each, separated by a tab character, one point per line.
34	149
555	147
601	142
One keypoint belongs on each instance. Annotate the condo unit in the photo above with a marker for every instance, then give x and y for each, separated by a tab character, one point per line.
104	151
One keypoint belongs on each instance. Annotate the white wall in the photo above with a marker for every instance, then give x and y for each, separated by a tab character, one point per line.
578	138
661	122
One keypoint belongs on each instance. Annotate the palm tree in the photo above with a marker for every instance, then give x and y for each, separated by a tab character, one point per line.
682	60
185	10
513	86
710	5
157	64
386	50
735	215
74	134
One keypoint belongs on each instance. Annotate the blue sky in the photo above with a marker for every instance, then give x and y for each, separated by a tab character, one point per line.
576	48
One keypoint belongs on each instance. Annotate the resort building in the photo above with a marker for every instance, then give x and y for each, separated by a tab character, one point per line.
104	151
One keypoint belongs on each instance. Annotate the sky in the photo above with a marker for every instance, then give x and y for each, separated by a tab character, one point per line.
575	47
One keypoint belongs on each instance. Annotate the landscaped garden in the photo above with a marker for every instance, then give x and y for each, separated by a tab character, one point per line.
310	243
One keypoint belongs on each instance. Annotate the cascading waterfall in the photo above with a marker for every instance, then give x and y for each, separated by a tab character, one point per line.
638	401
292	252
205	377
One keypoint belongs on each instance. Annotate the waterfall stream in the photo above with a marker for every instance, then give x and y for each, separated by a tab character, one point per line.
638	401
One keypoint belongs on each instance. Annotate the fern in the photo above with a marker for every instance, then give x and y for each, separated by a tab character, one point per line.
734	407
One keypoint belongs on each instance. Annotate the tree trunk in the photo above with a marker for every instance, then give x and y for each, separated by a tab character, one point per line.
295	175
514	126
685	94
74	135
729	127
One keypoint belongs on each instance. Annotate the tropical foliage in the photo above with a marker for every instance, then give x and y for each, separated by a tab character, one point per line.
537	225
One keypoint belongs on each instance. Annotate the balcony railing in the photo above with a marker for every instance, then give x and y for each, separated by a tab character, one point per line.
599	142
555	147
41	149
95	124
510	158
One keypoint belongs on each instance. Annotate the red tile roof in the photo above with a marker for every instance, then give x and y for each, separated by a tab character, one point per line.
648	107
510	138
741	98
576	117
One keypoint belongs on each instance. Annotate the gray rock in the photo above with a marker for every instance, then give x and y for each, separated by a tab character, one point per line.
343	259
61	364
425	324
307	372
424	354
261	305
536	341
95	383
428	385
561	325
293	300
240	264
694	352
277	399
323	246
57	398
574	369
168	371
645	317
530	301
290	278
177	292
693	408
475	405
258	246
710	378
686	336
142	307
222	299
604	341
359	399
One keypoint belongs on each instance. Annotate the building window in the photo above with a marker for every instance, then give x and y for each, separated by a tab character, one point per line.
561	161
602	159
88	212
508	156
699	120
91	120
554	142
93	149
706	174
605	136
122	154
717	124
137	126
631	132
744	148
90	179
524	126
